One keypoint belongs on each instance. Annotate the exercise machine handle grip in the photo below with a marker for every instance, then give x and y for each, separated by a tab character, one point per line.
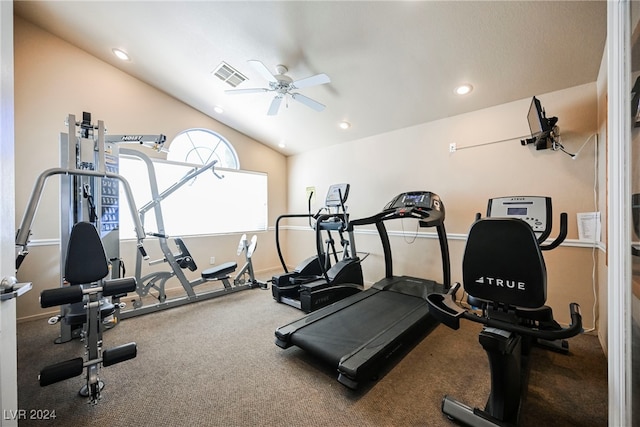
59	296
576	317
444	308
446	311
574	329
281	217
374	219
143	252
163	236
21	256
563	234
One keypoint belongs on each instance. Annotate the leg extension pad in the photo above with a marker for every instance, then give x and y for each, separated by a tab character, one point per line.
61	371
119	286
119	354
59	296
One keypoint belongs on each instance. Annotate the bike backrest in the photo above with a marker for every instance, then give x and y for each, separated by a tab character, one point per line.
503	263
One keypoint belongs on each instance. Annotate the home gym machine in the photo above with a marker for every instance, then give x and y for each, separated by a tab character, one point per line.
89	192
505	275
246	275
315	282
154	284
361	333
89	216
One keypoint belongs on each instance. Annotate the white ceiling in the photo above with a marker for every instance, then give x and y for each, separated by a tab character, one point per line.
392	64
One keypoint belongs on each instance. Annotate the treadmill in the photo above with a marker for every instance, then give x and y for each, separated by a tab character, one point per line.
360	333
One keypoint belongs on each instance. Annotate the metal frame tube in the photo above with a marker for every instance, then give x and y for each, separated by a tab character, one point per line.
22	236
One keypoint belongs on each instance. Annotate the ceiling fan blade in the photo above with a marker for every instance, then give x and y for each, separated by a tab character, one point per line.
308	101
263	70
318	79
275	106
248	90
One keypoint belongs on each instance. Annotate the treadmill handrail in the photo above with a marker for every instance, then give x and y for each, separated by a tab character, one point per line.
385	215
409	212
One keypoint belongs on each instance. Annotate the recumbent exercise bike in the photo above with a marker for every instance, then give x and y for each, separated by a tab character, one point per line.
505	276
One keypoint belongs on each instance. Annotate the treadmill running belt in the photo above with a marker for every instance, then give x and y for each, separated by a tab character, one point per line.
336	336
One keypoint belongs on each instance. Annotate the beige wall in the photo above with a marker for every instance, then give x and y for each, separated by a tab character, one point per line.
418	158
54	79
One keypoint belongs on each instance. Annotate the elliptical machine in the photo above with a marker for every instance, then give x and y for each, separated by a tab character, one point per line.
505	277
316	282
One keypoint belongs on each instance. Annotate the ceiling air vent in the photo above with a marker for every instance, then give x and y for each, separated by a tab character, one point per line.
228	74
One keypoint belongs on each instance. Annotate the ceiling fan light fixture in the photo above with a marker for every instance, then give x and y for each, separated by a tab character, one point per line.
344	125
463	89
284	86
121	54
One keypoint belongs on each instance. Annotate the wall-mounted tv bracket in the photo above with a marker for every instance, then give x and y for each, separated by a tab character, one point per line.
544	130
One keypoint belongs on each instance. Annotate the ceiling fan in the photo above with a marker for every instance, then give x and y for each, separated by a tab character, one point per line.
284	86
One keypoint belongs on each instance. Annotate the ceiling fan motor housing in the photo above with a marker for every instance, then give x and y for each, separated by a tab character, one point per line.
283	84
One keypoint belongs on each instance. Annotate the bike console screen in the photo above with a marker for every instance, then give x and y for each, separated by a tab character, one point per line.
534	210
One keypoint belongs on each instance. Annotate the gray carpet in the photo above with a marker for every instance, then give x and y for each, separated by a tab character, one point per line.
214	363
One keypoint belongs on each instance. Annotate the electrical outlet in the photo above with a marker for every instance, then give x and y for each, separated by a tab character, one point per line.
452	147
212	260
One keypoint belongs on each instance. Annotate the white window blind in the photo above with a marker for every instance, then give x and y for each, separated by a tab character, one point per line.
204	205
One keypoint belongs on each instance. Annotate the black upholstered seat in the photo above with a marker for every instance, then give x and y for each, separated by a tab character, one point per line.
86	261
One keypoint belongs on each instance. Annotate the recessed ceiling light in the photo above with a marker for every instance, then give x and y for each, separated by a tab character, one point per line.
121	54
282	144
218	109
464	89
344	125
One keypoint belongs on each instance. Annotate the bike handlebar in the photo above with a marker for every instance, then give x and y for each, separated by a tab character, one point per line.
443	308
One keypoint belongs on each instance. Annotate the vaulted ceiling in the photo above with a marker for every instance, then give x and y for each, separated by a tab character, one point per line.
392	64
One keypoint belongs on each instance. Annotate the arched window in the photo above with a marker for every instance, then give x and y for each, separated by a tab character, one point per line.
201	146
181	208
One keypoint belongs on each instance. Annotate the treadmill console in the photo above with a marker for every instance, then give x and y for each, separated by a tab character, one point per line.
423	205
534	210
425	200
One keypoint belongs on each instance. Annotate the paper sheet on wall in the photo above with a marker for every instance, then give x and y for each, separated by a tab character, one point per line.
589	226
